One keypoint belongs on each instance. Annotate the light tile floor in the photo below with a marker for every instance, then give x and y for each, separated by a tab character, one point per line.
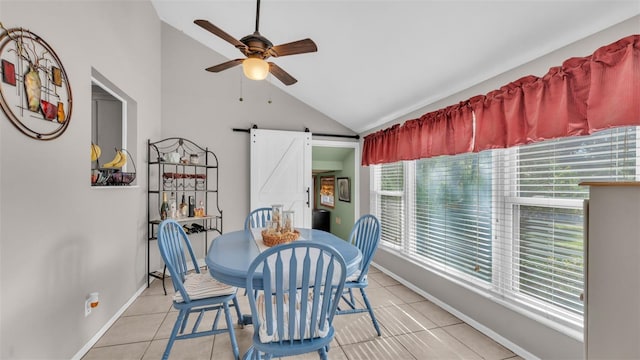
412	328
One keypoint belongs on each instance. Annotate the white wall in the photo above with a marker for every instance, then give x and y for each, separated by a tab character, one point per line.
531	336
204	107
59	238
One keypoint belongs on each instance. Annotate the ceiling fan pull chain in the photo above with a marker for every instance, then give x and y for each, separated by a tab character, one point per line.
270	90
241	98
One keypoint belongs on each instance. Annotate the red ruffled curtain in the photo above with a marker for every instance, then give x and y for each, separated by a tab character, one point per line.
450	131
578	75
381	147
581	96
490	121
614	96
412	141
447	131
533	109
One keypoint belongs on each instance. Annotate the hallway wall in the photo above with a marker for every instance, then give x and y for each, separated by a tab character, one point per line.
61	239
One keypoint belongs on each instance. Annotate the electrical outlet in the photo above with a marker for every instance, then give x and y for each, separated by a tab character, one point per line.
87	307
91	302
338	220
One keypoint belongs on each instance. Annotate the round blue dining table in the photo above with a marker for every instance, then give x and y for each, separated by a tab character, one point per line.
230	254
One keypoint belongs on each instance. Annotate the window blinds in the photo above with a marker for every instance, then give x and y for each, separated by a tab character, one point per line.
388	201
543	201
452	213
507	221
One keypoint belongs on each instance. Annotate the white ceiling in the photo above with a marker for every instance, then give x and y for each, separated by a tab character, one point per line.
379	60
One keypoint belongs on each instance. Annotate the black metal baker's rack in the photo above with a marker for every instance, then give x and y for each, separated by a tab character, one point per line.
192	172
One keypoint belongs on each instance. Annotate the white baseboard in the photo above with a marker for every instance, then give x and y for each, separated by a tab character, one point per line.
106	326
476	325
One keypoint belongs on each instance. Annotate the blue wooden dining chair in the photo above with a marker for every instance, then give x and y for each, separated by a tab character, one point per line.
258	218
299	286
365	235
196	292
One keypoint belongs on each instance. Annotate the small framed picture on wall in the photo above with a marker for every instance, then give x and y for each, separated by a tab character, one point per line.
327	191
344	189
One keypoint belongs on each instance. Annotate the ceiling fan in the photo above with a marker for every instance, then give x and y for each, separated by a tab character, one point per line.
257	49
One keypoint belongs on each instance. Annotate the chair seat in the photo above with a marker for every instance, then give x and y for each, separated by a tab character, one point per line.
202	286
265	337
355	276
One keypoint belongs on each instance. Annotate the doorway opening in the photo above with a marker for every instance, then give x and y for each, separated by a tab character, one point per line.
335	162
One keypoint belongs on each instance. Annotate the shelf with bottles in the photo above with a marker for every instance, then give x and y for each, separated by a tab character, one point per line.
184	212
185	208
182	172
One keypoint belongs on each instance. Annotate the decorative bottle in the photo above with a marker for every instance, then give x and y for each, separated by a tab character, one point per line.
287	221
183	210
192	207
164	208
172	206
276	216
199	211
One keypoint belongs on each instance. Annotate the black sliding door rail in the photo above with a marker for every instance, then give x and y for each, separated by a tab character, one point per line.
356	137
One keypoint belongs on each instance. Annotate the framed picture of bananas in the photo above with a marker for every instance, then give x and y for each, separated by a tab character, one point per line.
35	93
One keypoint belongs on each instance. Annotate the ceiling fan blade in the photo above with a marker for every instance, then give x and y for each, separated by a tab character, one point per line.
293	48
219	33
281	74
225	65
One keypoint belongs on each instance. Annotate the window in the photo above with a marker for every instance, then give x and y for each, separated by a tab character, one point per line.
388	200
508	222
452	217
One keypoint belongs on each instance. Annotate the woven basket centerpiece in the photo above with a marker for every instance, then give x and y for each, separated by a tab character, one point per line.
273	238
280	229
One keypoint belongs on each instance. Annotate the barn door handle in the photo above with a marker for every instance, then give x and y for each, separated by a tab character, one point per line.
308	198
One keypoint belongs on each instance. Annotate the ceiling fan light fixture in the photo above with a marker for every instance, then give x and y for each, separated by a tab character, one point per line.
257	49
255	68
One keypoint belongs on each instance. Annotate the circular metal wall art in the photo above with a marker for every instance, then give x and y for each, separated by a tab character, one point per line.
35	93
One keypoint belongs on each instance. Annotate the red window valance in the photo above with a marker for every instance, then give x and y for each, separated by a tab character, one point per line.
581	96
614	96
444	132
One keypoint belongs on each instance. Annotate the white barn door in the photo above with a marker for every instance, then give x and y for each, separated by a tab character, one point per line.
281	172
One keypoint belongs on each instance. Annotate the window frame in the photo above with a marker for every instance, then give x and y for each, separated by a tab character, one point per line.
376	203
506	203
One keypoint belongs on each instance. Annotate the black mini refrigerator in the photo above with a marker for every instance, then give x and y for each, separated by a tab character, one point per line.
321	220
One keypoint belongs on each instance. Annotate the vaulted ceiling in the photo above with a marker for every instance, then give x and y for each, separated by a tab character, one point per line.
379	60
